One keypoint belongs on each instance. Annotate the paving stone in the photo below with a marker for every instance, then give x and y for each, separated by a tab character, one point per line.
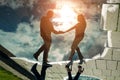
49	79
91	64
111	65
110	78
63	75
117	78
101	64
114	39
88	72
118	29
106	73
107	54
110	16
116	54
97	72
118	67
84	65
58	72
116	73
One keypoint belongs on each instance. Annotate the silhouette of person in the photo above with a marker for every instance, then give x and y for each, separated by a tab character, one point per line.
46	28
79	35
80	70
43	71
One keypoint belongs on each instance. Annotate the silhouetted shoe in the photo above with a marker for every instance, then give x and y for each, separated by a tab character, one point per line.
80	69
69	64
68	69
35	56
81	61
34	67
46	65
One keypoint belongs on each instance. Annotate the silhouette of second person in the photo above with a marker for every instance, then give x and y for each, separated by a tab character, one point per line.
46	28
79	35
76	77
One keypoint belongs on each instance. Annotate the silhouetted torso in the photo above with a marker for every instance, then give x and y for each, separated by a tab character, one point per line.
46	27
80	29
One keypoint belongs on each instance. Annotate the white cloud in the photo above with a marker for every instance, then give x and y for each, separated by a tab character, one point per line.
26	40
23	42
14	4
3	2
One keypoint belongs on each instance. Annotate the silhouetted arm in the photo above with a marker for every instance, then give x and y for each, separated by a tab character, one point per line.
58	32
70	29
51	28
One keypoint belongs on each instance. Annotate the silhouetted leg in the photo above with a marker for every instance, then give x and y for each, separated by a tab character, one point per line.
80	70
79	53
35	72
69	76
71	54
80	56
43	71
46	50
68	72
70	58
77	76
73	47
39	51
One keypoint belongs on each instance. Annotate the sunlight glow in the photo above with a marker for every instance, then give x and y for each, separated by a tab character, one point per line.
65	18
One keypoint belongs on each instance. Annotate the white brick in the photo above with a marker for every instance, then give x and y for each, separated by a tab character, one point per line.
110	16
113	1
117	78
88	72
91	64
110	78
97	72
111	65
102	77
84	66
107	54
119	22
116	73
114	39
116	54
118	67
106	72
101	64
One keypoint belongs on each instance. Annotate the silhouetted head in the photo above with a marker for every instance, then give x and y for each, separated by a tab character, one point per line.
80	17
50	14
